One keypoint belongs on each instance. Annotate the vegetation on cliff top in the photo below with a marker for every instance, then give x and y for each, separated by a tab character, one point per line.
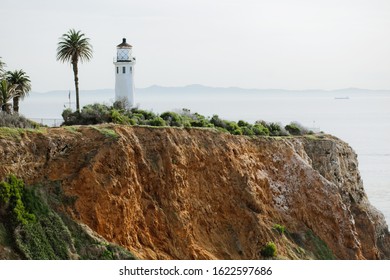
99	113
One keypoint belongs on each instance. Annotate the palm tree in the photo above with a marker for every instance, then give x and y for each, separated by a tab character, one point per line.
23	86
2	65
7	92
72	47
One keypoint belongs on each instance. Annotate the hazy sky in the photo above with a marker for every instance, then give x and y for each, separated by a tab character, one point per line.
290	44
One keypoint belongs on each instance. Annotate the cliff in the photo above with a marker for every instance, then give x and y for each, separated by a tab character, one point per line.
170	193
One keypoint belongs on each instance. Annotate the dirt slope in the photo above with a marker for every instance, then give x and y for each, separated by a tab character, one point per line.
166	193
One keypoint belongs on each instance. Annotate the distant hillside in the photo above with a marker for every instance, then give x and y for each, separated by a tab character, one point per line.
51	104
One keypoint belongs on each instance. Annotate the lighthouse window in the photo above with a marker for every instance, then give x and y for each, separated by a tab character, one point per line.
131	69
124	70
117	70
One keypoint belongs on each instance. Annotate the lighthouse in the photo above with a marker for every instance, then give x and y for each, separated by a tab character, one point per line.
124	74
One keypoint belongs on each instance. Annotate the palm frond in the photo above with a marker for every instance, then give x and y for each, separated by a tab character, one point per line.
2	66
74	46
7	91
21	80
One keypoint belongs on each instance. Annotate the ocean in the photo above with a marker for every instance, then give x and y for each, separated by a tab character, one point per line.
361	118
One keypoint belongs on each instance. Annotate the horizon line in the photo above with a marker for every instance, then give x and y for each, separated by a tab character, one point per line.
219	88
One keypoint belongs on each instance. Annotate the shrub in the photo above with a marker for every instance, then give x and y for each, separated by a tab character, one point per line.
197	120
247	130
295	128
269	250
95	113
89	114
16	121
11	194
279	228
260	129
275	129
118	117
118	113
121	104
157	121
145	114
233	128
242	123
172	119
217	122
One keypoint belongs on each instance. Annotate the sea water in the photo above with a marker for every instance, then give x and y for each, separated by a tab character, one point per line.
362	119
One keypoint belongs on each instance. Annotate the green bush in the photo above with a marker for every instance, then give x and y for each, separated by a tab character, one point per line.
275	129
242	123
95	113
233	127
197	120
120	118
157	121
144	115
279	228
172	119
117	113
269	250
293	129
218	122
260	130
247	130
89	114
11	195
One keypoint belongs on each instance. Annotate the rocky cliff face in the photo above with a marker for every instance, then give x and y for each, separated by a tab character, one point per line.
166	193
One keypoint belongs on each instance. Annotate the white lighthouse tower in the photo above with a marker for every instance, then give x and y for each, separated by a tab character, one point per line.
124	74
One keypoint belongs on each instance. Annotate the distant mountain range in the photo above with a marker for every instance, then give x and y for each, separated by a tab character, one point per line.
195	88
49	105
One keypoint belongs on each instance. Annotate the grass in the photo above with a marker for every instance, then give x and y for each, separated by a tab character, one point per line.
11	133
17	133
72	129
4	236
311	137
109	133
319	247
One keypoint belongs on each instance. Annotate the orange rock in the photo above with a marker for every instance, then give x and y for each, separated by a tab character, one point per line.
171	193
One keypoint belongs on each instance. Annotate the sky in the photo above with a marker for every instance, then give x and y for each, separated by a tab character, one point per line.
284	44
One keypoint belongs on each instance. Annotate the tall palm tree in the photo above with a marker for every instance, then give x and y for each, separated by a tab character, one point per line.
2	65
74	47
23	86
7	92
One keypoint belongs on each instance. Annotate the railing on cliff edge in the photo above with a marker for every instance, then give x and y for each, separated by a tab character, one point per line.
48	122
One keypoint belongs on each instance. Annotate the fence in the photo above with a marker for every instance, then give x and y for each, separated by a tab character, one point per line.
48	122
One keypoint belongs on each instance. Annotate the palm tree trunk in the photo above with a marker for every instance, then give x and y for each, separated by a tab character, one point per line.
8	108
15	101
5	107
76	84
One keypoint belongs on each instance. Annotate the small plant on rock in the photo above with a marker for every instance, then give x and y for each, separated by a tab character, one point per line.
279	228
269	250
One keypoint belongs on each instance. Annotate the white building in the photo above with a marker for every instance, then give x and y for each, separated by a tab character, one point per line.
124	74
